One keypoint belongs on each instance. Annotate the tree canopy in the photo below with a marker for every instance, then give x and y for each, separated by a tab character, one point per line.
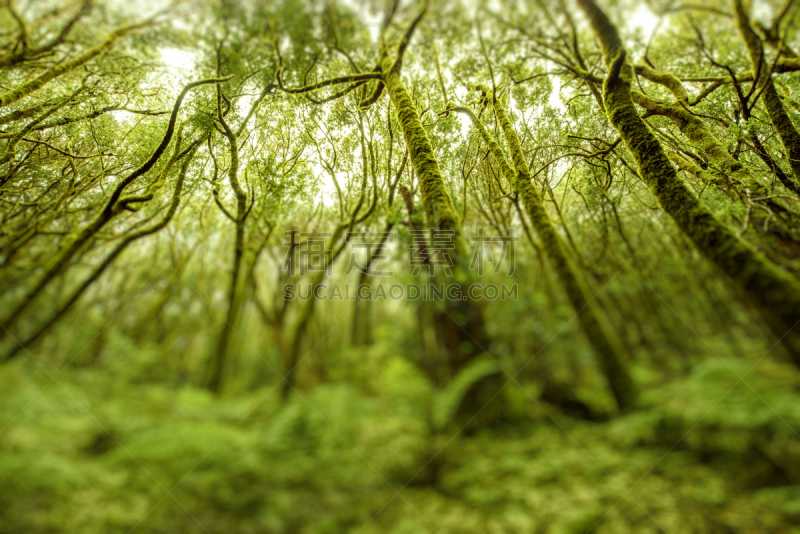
401	266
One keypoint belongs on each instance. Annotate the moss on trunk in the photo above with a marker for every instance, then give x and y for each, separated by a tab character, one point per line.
595	326
112	207
775	293
696	130
772	101
463	328
11	96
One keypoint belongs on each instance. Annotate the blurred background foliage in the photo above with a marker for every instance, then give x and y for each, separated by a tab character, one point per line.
173	389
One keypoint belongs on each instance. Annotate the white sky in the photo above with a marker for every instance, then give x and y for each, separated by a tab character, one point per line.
643	19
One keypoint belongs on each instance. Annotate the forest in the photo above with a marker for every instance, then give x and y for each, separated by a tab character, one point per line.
361	266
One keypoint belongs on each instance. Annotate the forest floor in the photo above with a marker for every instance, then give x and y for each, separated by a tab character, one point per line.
711	453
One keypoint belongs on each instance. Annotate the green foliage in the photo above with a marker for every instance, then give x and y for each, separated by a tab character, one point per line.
326	460
653	202
447	403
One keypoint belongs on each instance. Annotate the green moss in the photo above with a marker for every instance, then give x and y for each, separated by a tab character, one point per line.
113	207
772	101
9	153
111	257
460	323
9	97
597	330
776	294
667	79
692	168
439	206
696	130
784	126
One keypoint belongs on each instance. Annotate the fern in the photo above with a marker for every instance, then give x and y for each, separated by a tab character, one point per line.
447	402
